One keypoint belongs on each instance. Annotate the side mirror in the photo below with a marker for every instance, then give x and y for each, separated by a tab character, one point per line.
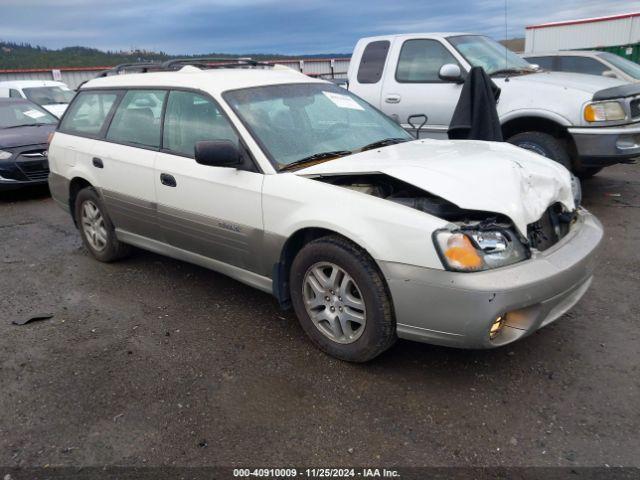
535	66
450	72
609	74
218	153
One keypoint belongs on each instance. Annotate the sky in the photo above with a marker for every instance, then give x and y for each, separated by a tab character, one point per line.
270	26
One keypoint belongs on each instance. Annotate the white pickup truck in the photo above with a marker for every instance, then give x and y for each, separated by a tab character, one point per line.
582	121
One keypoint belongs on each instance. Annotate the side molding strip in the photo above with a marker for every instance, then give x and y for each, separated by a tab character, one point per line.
249	278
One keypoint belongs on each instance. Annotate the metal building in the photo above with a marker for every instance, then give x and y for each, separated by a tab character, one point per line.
616	31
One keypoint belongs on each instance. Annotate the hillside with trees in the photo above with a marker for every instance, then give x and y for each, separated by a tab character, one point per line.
24	55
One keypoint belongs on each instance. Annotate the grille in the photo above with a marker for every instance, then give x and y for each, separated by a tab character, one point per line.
550	228
635	107
35	170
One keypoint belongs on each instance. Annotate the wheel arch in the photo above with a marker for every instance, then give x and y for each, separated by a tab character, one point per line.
76	184
292	245
555	126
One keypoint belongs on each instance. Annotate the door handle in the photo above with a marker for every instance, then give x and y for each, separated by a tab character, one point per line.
392	98
168	180
97	162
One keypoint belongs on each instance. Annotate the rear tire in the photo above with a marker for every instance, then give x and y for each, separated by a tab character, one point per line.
543	144
96	229
352	313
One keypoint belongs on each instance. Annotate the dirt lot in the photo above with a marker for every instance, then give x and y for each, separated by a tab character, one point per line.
152	361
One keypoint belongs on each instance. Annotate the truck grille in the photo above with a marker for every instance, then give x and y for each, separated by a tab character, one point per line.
635	107
550	228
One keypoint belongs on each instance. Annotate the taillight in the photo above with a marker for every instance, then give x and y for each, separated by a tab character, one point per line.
50	138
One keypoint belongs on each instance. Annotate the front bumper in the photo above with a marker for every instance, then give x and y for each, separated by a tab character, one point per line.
8	185
602	146
28	166
457	309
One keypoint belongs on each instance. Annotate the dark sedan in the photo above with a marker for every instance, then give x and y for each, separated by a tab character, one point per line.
24	128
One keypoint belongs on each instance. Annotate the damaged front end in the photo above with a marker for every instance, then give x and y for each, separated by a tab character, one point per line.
475	240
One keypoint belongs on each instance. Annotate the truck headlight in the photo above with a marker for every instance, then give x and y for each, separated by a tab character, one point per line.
4	155
604	112
469	250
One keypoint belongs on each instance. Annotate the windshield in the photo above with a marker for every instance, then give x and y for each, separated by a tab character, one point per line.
294	121
484	52
48	95
24	114
627	66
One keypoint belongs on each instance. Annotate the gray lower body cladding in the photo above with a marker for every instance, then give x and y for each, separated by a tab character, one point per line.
59	188
457	309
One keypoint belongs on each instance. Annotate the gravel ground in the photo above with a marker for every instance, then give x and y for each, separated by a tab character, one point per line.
152	361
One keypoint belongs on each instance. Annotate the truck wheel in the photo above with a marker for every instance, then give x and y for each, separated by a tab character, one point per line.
543	144
96	228
587	172
341	300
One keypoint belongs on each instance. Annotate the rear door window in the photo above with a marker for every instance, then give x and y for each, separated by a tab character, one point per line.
87	113
137	120
420	61
542	62
372	62
581	65
191	118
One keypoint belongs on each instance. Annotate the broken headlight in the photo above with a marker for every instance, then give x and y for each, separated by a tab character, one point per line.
469	250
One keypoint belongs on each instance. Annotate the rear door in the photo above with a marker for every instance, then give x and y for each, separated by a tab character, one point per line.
126	160
366	80
80	132
412	85
211	211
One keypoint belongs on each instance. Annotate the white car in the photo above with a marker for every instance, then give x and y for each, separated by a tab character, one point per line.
590	62
53	96
301	189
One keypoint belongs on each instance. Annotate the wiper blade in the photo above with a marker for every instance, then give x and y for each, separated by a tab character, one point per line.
314	157
384	143
511	70
26	125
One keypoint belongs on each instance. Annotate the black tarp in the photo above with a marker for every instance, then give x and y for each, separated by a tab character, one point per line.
475	116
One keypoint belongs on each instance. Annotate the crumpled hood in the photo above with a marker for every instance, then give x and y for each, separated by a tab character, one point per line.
486	176
575	81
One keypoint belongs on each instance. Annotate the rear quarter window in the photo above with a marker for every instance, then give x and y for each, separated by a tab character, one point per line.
88	112
372	62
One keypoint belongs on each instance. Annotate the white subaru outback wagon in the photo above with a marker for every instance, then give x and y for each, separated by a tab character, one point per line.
301	189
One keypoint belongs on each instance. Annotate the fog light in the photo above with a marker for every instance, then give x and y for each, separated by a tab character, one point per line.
496	327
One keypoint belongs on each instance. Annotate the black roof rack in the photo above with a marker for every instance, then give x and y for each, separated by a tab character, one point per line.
142	67
177	63
213	62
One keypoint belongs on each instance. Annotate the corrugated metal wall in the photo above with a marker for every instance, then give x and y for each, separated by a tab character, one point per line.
604	33
326	68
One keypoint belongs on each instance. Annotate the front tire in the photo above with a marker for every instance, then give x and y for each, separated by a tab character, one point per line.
96	229
341	300
543	144
587	172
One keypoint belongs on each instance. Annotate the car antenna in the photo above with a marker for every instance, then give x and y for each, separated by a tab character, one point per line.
506	34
